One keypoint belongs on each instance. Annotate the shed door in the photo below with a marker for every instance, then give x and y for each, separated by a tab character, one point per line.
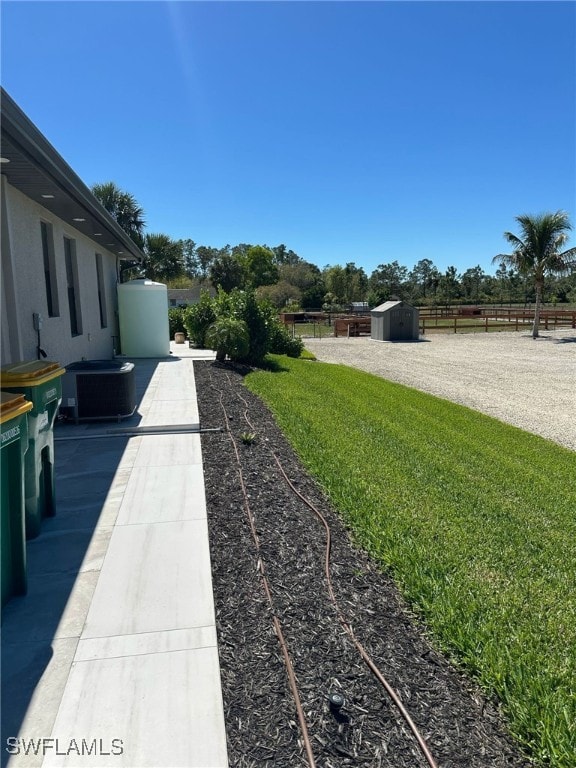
401	324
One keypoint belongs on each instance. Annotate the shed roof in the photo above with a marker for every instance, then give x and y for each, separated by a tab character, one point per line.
388	305
33	166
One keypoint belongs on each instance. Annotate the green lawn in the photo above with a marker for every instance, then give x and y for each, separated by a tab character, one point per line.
475	519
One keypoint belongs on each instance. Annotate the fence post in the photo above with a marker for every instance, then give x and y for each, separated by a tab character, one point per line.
454	325
486	323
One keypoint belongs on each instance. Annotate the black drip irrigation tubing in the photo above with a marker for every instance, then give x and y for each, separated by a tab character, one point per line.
346	625
276	623
341	616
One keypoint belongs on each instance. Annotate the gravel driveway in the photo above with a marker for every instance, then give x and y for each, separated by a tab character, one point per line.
525	382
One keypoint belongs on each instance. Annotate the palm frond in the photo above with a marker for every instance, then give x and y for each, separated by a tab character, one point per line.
563	263
537	249
505	259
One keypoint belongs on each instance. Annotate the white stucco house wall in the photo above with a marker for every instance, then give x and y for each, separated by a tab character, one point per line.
61	252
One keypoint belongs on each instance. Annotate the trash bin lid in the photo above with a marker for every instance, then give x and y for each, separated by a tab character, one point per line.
13	405
29	374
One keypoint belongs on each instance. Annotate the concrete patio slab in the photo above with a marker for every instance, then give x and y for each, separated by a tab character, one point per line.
147	642
116	639
45	554
36	674
172	411
163	494
155	577
157	710
169	451
54	607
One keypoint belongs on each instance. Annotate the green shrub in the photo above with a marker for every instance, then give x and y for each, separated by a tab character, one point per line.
243	306
198	318
259	319
281	341
176	320
228	336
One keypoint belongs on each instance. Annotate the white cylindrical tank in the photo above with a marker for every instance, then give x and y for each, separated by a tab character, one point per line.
143	319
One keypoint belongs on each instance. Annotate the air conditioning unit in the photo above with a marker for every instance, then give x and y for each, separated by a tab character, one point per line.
98	390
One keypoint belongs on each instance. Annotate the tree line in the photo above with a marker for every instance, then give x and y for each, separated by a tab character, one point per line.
536	270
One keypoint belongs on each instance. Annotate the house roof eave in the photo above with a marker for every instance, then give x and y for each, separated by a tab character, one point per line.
32	165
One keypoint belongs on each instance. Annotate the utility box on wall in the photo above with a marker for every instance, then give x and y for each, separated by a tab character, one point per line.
395	321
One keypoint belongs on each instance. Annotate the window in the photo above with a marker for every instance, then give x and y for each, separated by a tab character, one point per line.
49	269
73	289
101	292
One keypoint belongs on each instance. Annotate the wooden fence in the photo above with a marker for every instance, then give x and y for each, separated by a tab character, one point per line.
499	318
443	319
352	326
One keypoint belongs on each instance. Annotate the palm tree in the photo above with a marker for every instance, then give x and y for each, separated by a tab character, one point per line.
123	207
537	252
164	257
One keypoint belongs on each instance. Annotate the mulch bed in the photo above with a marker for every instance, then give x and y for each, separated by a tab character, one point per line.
461	728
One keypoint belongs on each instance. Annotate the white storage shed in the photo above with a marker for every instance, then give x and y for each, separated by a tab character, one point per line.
395	321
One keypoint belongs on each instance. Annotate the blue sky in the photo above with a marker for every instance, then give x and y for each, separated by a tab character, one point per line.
349	131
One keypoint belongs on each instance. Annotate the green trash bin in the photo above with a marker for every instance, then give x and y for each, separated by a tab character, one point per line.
14	444
40	382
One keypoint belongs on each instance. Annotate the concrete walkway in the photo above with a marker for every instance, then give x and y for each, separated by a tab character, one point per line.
111	659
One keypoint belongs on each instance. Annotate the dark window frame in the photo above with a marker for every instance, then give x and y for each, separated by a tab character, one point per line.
73	287
50	277
101	292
